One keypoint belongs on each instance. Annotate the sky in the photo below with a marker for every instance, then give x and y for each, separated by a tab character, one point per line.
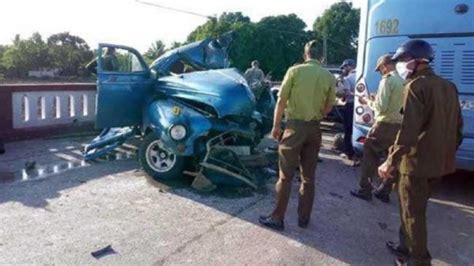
133	24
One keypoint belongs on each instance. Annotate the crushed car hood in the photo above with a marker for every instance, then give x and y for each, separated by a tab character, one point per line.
225	90
210	53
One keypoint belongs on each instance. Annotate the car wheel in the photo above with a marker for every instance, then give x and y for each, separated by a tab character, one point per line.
159	161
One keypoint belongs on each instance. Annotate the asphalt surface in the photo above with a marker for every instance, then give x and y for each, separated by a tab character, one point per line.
61	214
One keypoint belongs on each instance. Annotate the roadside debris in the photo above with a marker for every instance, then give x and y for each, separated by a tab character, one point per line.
108	250
202	184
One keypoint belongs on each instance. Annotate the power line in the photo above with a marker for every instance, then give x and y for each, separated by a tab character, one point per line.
304	35
213	17
174	9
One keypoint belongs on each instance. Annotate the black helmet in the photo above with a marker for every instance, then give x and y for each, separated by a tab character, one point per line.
418	49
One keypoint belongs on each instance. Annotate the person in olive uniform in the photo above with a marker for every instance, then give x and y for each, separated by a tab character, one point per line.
307	93
110	62
255	79
387	105
425	147
254	74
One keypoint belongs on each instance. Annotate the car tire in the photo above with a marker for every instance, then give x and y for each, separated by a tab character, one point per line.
158	161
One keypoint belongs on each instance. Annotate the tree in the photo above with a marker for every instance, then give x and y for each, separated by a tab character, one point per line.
156	50
175	45
279	42
340	26
276	41
217	26
69	53
25	55
3	48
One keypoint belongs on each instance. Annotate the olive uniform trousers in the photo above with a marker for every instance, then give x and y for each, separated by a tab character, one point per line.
414	192
379	139
299	146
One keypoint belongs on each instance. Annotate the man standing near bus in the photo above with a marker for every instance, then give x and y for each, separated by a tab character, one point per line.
386	105
307	93
425	147
349	79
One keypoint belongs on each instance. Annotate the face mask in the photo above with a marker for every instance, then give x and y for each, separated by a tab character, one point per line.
403	70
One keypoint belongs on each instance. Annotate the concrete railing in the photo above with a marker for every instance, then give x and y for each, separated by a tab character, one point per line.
40	110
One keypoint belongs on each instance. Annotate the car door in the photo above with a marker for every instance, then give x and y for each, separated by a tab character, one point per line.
123	83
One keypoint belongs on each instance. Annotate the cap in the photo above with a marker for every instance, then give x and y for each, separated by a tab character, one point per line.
383	60
348	62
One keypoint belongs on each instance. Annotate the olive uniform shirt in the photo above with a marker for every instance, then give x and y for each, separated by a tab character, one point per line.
308	88
254	74
431	128
389	99
110	63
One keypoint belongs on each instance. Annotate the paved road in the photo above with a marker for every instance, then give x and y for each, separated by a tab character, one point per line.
61	219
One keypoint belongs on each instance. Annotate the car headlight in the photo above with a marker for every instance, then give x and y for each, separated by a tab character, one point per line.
178	132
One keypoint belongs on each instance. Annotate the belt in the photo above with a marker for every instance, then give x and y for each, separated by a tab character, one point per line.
303	122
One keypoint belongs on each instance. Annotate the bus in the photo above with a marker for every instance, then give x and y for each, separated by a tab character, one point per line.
448	25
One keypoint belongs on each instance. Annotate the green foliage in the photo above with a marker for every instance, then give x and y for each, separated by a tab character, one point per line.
65	52
3	48
69	53
156	50
175	45
217	26
25	55
340	25
277	42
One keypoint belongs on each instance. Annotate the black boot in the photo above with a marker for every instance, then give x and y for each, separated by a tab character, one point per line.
2	147
361	194
400	262
272	223
397	250
303	223
382	196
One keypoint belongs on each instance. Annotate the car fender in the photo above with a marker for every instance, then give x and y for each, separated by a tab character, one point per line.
160	115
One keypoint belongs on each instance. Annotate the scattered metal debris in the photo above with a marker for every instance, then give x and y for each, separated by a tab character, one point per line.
108	250
201	183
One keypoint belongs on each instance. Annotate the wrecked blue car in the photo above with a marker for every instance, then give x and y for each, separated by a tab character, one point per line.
190	109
